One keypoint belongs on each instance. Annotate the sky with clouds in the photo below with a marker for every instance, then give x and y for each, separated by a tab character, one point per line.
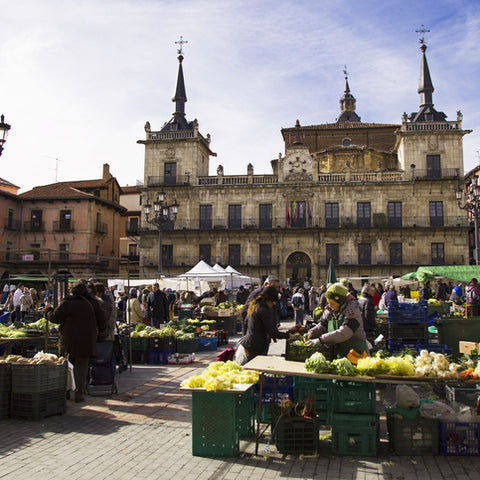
80	78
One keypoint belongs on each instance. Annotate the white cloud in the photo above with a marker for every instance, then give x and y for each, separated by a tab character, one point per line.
80	78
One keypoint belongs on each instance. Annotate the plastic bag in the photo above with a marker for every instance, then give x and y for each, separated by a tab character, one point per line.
438	410
464	414
241	355
406	397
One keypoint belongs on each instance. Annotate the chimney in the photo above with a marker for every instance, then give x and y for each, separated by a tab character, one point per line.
106	172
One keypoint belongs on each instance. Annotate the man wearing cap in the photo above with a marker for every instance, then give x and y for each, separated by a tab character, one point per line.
271	281
341	323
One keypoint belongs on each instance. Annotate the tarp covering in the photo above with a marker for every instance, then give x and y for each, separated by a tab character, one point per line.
459	273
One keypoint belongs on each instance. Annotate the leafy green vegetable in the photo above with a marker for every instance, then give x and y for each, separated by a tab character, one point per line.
343	366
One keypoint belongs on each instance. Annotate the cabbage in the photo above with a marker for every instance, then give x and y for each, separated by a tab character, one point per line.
343	366
317	363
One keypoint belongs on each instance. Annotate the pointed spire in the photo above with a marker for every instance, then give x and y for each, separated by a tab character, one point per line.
427	112
178	121
347	104
425	87
180	97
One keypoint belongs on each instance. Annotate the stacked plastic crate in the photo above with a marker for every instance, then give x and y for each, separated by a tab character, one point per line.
5	389
407	325
38	390
159	348
354	433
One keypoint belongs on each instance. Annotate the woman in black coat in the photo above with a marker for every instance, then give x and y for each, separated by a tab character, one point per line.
261	324
80	318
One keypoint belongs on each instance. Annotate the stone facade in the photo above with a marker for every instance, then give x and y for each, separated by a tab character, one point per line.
347	191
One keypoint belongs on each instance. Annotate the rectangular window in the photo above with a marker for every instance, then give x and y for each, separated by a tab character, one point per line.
265	215
64	251
332	250
436	214
396	253
167	255
234	255
438	254
170	173
65	220
265	254
298	214
364	254
331	215
205	217
433	166
205	253
363	214
36	221
394	214
10	218
132	250
234	216
132	225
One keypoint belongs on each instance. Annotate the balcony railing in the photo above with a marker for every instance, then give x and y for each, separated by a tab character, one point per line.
63	226
316	222
446	173
14	225
34	226
101	227
53	257
132	228
431	126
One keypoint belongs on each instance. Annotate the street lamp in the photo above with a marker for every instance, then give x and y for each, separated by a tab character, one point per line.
4	128
473	207
163	214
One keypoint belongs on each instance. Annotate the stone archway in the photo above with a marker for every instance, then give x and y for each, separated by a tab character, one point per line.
299	268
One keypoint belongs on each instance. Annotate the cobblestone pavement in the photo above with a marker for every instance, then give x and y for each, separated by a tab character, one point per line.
144	432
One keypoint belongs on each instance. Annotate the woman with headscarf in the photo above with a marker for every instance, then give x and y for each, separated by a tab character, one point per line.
341	323
261	326
134	313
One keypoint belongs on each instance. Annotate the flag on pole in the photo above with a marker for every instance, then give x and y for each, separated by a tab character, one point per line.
309	214
288	214
294	211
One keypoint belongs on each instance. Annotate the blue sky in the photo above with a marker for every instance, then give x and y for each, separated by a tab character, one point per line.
79	79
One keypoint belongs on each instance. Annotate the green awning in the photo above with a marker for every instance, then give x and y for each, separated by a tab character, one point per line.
458	273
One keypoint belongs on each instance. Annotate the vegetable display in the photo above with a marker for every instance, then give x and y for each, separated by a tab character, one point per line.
221	376
408	364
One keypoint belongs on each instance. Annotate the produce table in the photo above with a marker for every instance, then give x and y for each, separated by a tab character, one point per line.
279	366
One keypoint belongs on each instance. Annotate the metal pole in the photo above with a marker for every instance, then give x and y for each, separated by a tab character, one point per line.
159	252
475	215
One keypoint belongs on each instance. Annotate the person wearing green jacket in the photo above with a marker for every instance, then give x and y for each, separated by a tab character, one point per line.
341	323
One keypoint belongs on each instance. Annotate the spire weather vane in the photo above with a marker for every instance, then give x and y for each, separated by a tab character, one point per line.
423	31
181	42
345	72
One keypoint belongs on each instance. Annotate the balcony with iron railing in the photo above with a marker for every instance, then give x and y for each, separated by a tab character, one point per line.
53	257
132	229
101	227
314	222
35	226
63	226
14	225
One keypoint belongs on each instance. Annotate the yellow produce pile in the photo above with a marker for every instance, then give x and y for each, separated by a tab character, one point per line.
221	376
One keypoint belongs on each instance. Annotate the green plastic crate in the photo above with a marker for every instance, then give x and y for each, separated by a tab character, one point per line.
355	434
321	389
348	397
215	431
5	377
413	436
37	378
36	406
246	413
140	343
297	435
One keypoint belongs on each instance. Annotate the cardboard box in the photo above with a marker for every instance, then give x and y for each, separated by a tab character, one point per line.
467	347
